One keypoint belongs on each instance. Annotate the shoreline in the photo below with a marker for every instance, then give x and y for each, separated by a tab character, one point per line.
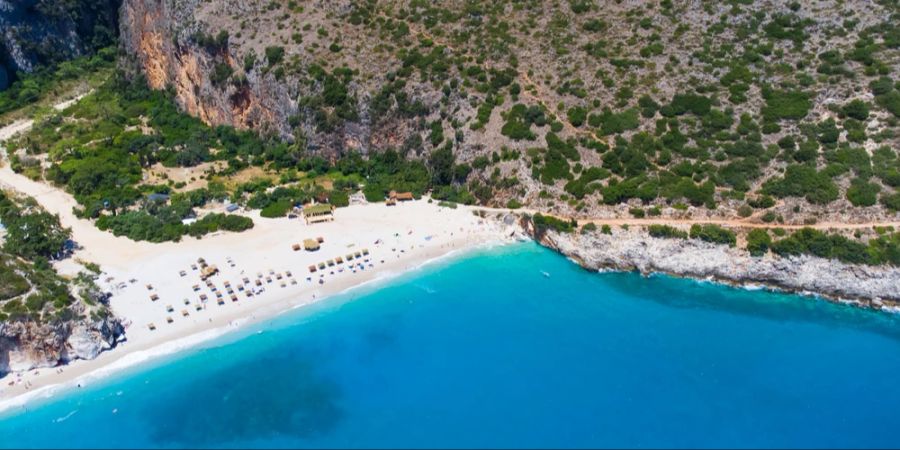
869	287
86	374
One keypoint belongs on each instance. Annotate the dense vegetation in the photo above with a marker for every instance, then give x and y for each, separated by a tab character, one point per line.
29	287
885	249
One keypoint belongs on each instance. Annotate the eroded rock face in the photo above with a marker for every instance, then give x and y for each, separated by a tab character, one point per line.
26	345
36	32
159	36
635	250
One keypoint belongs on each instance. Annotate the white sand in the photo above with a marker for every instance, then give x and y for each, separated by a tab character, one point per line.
398	239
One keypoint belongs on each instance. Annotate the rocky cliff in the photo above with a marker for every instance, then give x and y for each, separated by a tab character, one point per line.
162	38
39	32
634	249
26	345
252	65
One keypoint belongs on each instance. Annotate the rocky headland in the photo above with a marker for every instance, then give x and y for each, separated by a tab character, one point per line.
634	250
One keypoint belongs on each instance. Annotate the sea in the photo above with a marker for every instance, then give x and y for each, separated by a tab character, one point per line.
511	346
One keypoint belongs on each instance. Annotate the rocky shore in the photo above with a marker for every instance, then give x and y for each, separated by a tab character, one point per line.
635	250
27	345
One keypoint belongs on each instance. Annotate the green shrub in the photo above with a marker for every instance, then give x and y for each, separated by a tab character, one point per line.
862	193
279	208
666	231
758	242
713	233
791	105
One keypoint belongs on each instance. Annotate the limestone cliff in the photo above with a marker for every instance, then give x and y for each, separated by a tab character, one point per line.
634	249
160	35
27	344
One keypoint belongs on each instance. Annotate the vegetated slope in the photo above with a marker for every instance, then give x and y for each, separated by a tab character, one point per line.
566	106
45	319
36	34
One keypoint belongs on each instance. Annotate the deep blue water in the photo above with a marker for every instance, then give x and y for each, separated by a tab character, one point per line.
486	351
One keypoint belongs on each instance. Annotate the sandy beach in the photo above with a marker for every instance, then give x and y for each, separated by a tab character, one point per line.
260	276
158	293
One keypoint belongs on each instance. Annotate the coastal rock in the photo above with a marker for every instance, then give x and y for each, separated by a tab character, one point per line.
27	345
635	250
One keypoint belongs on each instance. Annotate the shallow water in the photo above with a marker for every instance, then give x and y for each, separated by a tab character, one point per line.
487	351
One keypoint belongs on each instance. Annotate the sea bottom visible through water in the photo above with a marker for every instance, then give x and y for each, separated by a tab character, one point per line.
512	346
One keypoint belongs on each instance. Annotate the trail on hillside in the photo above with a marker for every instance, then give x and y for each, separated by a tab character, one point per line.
731	223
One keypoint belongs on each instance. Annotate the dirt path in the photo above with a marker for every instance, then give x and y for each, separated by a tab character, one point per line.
731	223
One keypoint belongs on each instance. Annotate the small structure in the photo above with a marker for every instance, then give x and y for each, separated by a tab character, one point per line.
322	212
310	245
400	196
296	247
160	198
208	271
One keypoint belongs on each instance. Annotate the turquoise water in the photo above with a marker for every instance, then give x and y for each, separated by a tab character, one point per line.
486	351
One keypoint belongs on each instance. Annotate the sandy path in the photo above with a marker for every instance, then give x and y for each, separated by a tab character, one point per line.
732	223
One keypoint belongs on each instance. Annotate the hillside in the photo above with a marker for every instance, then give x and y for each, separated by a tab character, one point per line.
786	111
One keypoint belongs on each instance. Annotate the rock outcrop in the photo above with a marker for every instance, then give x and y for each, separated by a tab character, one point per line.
36	32
161	37
633	249
26	345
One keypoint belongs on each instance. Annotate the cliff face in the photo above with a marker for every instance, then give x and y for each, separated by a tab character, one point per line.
160	35
26	345
38	32
635	250
216	58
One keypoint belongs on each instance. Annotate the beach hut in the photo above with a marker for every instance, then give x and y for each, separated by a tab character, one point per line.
220	301
154	298
169	308
288	273
151	326
185	313
258	283
320	240
312	268
196	287
400	196
349	256
234	298
208	271
339	260
296	247
203	297
365	251
321	265
322	212
149	287
182	273
169	319
330	263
